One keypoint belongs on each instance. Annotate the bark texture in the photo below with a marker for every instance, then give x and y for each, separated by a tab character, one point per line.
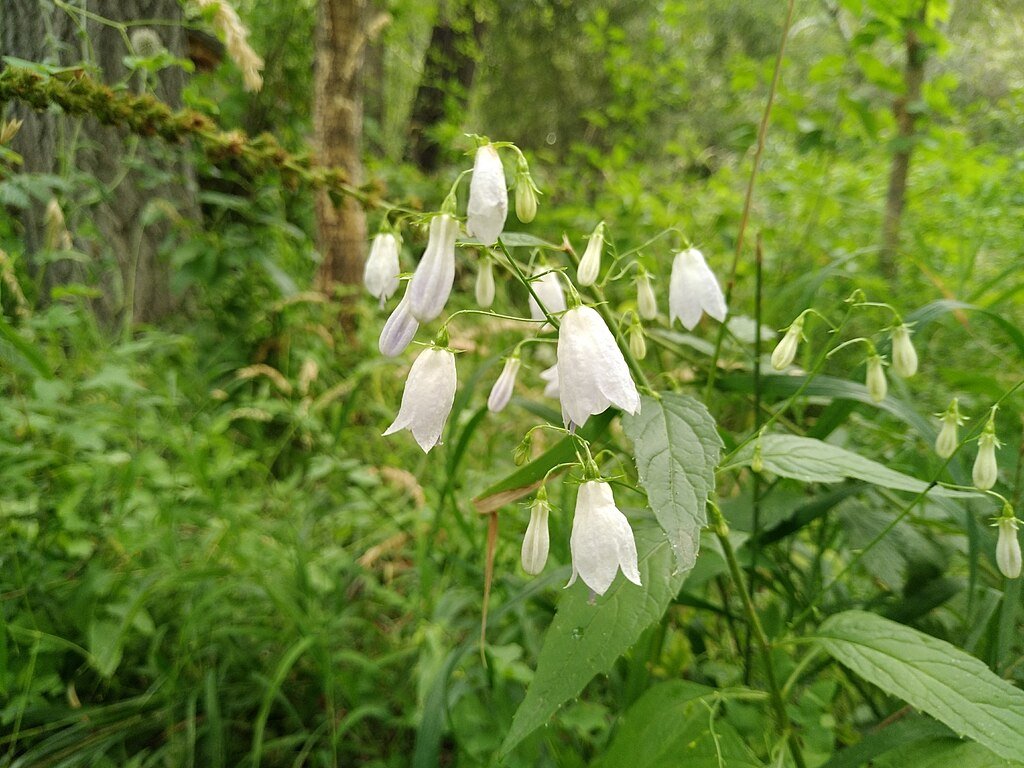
338	122
448	71
906	113
126	177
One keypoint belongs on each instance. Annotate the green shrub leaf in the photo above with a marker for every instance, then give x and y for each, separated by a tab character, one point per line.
931	675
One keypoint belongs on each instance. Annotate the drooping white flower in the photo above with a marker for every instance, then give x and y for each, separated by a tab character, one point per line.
986	470
488	196
592	373
875	379
947	441
601	541
904	356
399	330
785	352
432	282
485	283
428	397
1008	556
381	273
501	392
550	376
548	288
590	264
693	289
646	301
536	541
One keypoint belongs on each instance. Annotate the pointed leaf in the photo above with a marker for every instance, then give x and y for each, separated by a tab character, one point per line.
677	449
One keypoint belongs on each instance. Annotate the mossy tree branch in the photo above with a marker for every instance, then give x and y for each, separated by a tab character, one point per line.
78	94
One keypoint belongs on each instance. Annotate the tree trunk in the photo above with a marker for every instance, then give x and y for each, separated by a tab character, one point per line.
448	71
338	123
905	110
129	178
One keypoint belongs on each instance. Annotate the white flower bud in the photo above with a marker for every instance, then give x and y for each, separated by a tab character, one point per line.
548	288
637	343
381	273
536	541
646	301
399	330
693	289
601	541
1008	547
592	373
488	196
590	264
948	440
904	356
526	199
432	282
550	377
501	392
986	470
485	284
785	352
875	380
428	397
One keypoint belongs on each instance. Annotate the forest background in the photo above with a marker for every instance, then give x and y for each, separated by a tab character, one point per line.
208	556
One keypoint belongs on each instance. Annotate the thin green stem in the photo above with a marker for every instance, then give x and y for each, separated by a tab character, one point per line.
721	531
762	133
526	282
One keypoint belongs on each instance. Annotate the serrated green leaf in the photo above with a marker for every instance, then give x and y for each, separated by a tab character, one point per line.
930	674
585	639
670	725
676	448
814	461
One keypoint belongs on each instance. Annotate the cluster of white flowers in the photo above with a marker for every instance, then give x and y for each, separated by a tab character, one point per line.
590	373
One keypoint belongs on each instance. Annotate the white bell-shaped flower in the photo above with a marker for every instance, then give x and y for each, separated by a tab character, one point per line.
785	352
501	392
432	282
381	273
601	541
399	330
485	284
488	196
428	397
548	288
986	470
693	289
590	264
550	378
537	541
646	301
592	373
875	379
904	356
1008	556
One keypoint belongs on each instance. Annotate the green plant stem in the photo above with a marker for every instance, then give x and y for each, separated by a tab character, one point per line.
721	531
762	133
514	266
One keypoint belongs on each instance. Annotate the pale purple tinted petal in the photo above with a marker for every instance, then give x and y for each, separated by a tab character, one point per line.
399	330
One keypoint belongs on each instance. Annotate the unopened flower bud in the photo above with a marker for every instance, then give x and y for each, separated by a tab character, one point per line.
399	330
485	283
536	541
785	352
637	343
875	379
757	460
986	470
501	392
646	301
9	130
904	356
526	193
590	264
1008	556
948	440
